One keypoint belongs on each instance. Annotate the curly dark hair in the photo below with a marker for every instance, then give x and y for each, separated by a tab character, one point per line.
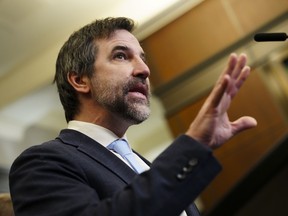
78	55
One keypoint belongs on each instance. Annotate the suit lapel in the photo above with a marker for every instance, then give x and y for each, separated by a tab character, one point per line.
192	210
99	153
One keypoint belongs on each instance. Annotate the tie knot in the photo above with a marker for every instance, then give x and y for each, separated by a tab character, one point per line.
120	146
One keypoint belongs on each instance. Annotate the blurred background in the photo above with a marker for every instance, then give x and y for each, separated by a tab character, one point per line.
188	42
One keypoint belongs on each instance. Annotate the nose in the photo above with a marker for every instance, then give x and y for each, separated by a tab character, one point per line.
141	69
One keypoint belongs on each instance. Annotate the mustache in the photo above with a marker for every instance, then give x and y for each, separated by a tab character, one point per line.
139	85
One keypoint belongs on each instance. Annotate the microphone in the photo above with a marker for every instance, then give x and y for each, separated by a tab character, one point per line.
264	37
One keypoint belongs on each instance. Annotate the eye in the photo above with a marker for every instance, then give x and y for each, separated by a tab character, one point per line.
143	57
120	56
144	60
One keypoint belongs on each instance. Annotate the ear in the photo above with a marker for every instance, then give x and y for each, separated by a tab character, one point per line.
79	83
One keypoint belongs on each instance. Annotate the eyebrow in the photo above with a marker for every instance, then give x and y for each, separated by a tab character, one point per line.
120	47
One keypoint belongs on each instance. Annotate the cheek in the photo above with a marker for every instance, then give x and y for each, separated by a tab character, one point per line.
114	86
111	79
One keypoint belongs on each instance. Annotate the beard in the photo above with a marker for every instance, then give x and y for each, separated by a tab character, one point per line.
114	97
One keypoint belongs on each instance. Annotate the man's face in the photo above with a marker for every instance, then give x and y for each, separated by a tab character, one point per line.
120	83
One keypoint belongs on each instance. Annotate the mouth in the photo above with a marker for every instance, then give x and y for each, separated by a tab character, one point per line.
139	90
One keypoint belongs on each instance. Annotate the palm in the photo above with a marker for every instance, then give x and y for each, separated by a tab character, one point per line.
212	125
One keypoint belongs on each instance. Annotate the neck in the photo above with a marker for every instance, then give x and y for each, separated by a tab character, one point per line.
107	120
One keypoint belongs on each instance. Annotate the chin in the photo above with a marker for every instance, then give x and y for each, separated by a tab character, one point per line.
138	114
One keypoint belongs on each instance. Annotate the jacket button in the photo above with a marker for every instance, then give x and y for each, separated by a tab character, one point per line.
180	176
187	169
193	162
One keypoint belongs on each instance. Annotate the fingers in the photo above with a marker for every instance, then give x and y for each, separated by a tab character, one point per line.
242	124
219	90
232	62
243	76
241	62
231	79
235	65
239	73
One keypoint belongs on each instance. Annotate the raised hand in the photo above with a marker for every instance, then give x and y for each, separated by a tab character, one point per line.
212	126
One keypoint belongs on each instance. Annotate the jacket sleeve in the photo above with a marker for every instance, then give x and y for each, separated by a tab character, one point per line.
44	181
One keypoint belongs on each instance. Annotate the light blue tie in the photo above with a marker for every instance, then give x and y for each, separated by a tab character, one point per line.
121	147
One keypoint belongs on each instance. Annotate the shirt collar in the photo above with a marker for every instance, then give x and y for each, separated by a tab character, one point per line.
100	134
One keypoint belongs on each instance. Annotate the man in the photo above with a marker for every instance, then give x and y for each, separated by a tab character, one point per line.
103	83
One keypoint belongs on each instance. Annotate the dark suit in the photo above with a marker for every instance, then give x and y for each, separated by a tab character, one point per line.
74	175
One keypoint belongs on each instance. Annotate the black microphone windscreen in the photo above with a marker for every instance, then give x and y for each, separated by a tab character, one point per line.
270	37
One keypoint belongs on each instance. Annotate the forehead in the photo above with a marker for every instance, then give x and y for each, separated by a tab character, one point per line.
120	37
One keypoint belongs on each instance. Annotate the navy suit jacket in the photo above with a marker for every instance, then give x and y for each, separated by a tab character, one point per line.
74	175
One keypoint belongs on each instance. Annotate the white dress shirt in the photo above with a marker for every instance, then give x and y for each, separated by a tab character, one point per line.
102	136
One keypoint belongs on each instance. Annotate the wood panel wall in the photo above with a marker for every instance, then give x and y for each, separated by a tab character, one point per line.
188	42
202	32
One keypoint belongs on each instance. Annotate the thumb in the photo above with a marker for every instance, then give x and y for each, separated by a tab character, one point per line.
243	123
